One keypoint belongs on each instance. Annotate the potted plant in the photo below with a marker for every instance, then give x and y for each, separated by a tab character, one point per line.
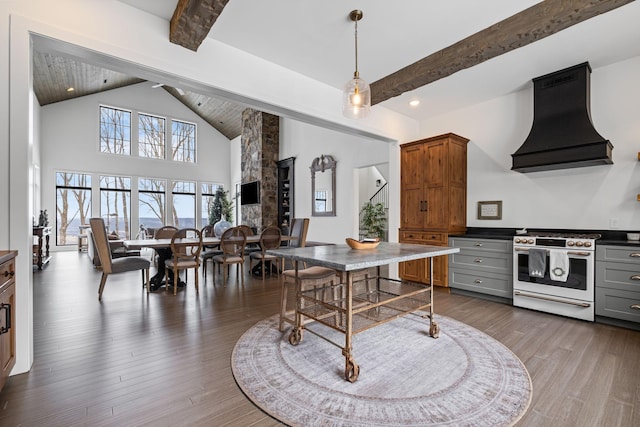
221	211
373	220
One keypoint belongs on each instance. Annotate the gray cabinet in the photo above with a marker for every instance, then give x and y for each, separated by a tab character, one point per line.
618	282
483	266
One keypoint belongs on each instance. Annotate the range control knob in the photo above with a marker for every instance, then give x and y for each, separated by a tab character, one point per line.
579	244
530	241
570	243
517	240
587	244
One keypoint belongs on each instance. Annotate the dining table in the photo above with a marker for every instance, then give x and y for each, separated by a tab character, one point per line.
209	241
353	306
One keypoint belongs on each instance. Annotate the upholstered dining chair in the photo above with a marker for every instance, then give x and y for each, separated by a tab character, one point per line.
269	239
186	245
119	265
298	232
164	232
232	244
208	252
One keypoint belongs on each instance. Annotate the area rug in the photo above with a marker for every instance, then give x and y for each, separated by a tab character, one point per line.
407	378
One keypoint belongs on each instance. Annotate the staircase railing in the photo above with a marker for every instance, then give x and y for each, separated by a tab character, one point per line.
380	196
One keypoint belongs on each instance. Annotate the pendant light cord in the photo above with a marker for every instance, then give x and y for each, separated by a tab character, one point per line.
356	74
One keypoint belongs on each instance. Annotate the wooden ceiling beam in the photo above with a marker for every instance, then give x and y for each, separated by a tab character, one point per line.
532	24
192	20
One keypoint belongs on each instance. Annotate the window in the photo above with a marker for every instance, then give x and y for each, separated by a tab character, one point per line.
73	205
183	141
115	202
115	131
151	132
151	202
321	201
184	204
208	194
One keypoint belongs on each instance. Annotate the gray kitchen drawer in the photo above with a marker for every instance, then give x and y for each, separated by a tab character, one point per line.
618	275
618	304
482	261
618	254
481	244
488	283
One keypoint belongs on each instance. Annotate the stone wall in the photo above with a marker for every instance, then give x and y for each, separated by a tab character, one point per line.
260	150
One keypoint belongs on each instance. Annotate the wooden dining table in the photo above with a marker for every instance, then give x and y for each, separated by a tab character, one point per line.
166	243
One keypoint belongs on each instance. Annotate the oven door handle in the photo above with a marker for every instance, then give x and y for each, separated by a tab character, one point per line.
517	249
579	304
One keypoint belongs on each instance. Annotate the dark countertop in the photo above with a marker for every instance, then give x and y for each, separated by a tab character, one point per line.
609	237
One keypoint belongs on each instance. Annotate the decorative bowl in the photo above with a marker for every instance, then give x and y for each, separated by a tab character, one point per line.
356	244
633	236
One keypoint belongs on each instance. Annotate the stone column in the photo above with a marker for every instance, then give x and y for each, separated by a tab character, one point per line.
260	152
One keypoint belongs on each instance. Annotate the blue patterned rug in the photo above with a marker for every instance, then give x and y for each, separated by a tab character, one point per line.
407	378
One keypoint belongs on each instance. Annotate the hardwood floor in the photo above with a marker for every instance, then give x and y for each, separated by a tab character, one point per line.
164	360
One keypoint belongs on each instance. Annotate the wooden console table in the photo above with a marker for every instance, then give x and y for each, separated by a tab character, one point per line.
41	257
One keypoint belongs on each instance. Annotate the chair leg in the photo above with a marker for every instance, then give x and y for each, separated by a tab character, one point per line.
148	279
176	279
195	272
103	280
283	303
263	267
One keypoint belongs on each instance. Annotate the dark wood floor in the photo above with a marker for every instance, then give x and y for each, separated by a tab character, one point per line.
161	360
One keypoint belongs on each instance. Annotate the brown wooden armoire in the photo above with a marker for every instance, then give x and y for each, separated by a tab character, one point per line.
433	184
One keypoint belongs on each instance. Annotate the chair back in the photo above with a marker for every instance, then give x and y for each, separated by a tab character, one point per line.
207	231
99	232
165	232
186	243
270	238
233	242
299	228
247	230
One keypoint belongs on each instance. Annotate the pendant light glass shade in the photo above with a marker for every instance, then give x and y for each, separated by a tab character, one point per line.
356	98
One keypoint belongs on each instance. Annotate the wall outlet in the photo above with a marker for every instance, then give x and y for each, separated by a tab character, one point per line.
614	223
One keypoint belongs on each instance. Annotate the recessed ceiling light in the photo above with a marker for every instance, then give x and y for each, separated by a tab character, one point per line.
70	89
414	103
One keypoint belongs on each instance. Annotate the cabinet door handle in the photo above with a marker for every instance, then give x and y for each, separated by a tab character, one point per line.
477	281
635	277
7	318
634	255
478	244
635	306
479	261
426	206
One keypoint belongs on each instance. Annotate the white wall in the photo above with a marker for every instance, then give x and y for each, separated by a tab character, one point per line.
306	142
581	198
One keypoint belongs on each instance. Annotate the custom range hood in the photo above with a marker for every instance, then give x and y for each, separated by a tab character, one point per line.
562	135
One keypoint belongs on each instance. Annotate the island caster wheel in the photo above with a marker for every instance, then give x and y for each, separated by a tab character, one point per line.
352	371
434	330
295	336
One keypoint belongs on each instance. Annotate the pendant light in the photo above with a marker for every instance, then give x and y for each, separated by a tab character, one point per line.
356	99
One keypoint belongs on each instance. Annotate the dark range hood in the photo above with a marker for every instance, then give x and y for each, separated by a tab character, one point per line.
562	135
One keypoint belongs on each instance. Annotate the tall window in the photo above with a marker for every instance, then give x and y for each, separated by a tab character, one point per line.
115	131
208	194
151	131
183	141
184	204
73	205
151	202
115	204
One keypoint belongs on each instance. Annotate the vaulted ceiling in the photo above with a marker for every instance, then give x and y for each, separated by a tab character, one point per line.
446	54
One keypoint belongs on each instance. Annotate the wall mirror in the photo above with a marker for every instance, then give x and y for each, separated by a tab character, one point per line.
323	186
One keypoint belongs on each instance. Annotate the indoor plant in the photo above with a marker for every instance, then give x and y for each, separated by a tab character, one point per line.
373	220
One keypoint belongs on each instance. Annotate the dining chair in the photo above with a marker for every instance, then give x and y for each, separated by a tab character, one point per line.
232	244
164	232
208	251
119	265
298	232
250	247
269	239
186	245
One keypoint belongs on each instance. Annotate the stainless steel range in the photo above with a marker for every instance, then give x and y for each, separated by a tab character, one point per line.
554	272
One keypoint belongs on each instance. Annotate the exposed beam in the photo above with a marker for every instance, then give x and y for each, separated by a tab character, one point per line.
532	24
192	20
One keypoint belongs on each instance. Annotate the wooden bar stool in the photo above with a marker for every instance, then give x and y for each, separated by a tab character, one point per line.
319	278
